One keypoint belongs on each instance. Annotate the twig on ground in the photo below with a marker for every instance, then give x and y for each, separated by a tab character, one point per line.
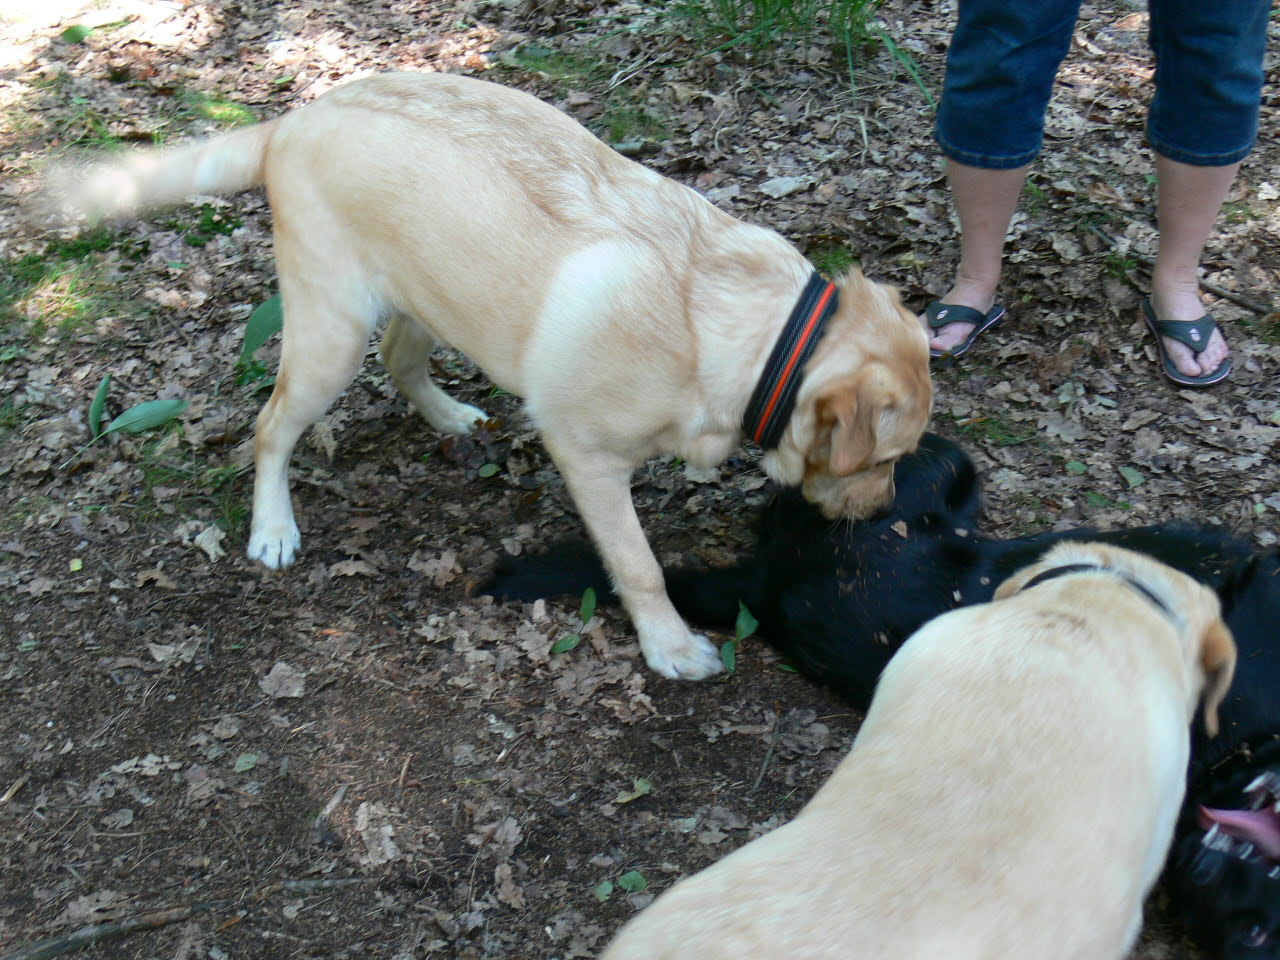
768	756
18	785
107	932
1262	309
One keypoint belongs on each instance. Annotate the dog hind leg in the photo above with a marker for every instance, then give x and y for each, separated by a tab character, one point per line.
406	351
324	344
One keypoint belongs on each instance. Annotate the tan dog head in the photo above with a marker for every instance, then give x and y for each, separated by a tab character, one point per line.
864	403
1207	649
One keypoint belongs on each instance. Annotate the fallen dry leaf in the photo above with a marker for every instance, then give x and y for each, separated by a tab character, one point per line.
284	681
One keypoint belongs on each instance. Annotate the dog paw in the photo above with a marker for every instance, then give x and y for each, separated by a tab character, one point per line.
275	548
458	418
694	657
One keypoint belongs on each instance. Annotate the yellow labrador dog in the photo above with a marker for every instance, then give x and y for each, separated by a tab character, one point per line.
633	317
1011	795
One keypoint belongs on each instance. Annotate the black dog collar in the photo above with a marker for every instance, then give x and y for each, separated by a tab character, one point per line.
775	395
1053	572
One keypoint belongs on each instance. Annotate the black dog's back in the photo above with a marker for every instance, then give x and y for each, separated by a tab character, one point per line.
812	584
839	598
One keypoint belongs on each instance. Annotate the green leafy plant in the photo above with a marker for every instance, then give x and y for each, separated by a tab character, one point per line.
76	33
763	24
633	881
744	627
1131	476
1034	194
1095	499
639	787
265	322
1120	266
99	405
585	612
144	416
588	608
80	32
566	643
1266	327
210	222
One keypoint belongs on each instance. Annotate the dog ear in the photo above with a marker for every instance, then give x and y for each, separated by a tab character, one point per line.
1218	660
847	426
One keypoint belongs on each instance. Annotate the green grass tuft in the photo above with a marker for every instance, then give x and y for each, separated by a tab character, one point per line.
996	429
624	116
12	414
219	109
762	23
832	260
205	223
66	284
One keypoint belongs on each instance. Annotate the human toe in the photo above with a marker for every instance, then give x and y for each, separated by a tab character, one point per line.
1186	361
950	336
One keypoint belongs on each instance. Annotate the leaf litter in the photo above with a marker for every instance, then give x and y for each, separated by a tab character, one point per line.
488	784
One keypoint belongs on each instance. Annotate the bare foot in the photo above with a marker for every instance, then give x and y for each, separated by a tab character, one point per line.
965	293
1184	304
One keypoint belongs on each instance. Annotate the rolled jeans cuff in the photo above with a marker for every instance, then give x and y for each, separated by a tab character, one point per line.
1198	159
984	161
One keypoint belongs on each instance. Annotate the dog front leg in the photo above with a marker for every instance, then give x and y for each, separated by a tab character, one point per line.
602	492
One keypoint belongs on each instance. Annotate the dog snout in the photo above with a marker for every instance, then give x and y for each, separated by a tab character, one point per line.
853	501
869	499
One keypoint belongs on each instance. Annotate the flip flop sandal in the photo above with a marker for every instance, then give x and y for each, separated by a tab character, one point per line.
938	315
1195	334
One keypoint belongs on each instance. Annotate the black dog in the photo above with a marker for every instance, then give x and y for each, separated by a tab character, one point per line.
838	600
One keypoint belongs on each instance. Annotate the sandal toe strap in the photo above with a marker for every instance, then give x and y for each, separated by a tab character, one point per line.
1194	333
938	315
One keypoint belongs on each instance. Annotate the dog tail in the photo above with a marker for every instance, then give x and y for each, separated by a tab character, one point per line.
708	598
151	177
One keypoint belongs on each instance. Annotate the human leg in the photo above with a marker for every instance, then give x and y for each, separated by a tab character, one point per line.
1188	200
1202	123
985	201
1001	67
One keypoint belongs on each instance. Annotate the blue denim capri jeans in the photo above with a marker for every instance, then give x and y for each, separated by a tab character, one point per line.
1005	54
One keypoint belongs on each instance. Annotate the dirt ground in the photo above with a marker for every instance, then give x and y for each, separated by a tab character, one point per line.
354	757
